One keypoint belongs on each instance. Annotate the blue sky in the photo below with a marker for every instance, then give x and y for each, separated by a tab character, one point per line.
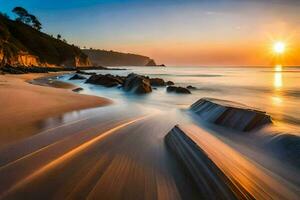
176	32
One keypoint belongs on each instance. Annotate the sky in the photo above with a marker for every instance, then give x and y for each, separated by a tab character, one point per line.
176	32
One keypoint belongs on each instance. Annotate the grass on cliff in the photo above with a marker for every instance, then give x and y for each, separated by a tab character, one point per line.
16	37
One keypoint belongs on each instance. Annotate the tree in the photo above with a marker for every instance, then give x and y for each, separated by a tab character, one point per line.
23	15
35	22
27	18
58	36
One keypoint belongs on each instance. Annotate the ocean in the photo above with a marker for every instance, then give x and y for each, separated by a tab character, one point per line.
275	90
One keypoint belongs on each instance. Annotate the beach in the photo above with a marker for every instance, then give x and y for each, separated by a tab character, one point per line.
24	105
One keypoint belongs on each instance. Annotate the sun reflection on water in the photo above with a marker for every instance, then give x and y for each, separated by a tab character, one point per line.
278	77
277	83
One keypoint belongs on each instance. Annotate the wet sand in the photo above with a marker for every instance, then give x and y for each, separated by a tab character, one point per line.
24	105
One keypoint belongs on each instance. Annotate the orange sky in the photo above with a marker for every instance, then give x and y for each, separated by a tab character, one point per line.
189	32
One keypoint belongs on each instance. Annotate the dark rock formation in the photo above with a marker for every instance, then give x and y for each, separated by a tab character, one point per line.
105	80
191	87
77	77
179	90
77	89
230	114
170	83
157	82
112	58
286	147
137	84
209	179
151	63
86	73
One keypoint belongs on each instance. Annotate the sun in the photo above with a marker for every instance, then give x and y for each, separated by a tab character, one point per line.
279	47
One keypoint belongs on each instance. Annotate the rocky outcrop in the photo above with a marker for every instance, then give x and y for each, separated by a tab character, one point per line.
209	179
157	82
191	87
77	77
112	58
286	147
170	83
137	84
107	80
151	63
178	90
230	114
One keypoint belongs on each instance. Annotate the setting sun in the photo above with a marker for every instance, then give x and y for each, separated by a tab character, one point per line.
279	47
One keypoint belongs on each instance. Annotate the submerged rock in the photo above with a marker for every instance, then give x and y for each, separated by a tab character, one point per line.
77	77
105	80
179	90
157	82
230	114
191	87
170	83
86	73
286	147
77	89
137	84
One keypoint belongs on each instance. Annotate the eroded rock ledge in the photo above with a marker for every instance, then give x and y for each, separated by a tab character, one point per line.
209	179
230	114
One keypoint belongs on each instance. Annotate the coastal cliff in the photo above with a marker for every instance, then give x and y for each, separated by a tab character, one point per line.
21	45
112	58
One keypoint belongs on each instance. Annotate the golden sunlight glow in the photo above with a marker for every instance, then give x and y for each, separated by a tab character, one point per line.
278	77
279	47
278	68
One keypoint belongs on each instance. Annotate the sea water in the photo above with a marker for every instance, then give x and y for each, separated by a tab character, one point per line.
275	90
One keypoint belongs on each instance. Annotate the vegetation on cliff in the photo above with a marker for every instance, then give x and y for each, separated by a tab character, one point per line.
22	44
112	58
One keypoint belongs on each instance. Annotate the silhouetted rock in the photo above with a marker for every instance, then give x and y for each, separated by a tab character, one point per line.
137	84
157	82
107	80
77	89
230	114
179	90
170	83
151	63
77	77
191	87
203	171
86	73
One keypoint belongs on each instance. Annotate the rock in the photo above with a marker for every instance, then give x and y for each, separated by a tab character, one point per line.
203	171
77	89
107	80
230	114
170	83
86	73
157	82
137	84
191	87
77	77
179	90
151	63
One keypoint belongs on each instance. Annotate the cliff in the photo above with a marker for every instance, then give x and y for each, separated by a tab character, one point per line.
112	58
21	45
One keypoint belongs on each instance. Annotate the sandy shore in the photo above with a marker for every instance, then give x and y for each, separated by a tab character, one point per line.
24	105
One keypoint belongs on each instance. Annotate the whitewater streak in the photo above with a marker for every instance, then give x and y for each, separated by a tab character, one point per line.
69	155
